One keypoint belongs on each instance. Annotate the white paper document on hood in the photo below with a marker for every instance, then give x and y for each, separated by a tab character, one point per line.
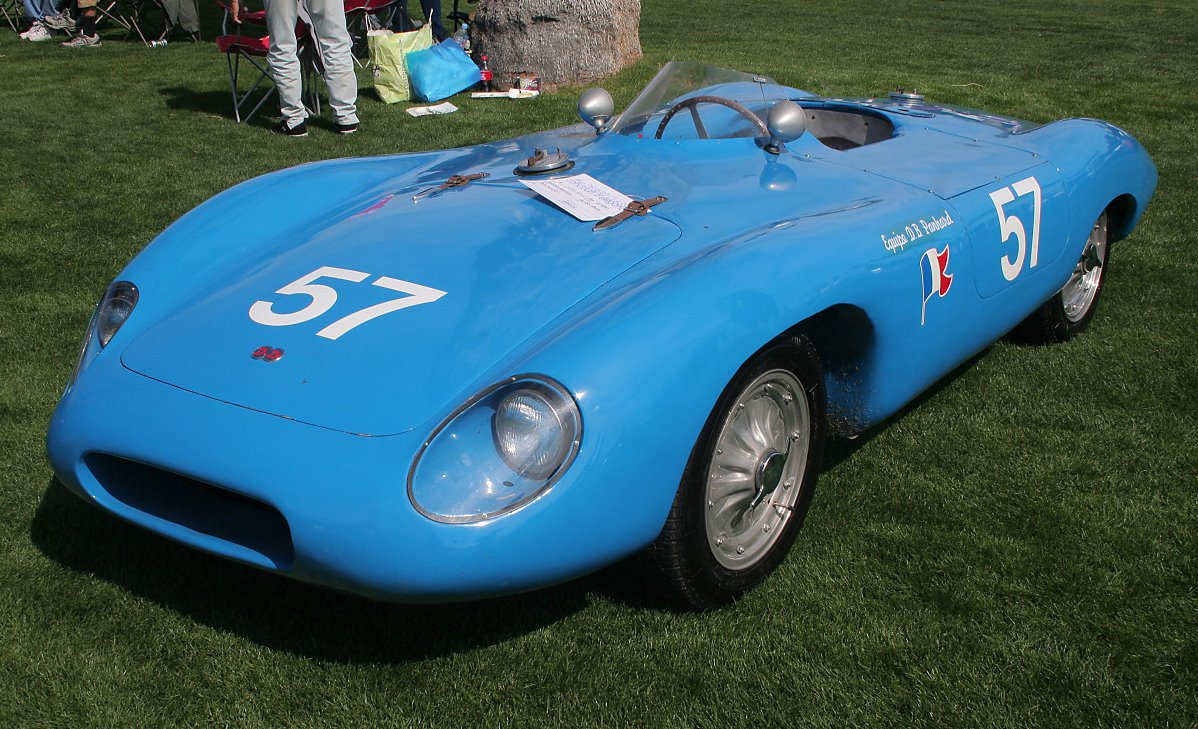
582	196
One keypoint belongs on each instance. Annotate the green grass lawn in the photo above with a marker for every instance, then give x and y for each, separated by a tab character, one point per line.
1019	548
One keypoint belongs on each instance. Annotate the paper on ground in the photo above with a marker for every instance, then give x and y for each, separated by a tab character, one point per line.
582	196
509	94
443	108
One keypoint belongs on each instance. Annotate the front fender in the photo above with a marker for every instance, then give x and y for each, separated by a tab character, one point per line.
648	359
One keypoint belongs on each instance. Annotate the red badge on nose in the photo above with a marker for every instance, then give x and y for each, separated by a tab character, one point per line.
267	353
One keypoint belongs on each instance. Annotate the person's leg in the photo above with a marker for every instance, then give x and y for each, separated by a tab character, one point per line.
328	23
283	60
36	12
171	9
87	27
181	14
49	16
38	9
433	8
189	16
402	22
87	17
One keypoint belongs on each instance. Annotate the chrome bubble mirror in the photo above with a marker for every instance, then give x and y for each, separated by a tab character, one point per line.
596	108
787	122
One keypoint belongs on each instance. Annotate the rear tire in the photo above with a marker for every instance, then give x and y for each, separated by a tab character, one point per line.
748	483
1070	310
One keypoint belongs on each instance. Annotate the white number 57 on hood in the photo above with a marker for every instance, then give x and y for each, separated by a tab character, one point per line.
325	297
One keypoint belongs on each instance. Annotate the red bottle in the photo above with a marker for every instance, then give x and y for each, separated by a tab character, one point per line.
485	72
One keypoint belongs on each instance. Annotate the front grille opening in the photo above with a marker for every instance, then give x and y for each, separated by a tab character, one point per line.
198	506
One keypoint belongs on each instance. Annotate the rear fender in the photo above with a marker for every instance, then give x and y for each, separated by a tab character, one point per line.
1100	163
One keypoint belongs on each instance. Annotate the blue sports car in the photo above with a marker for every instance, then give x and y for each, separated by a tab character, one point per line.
441	376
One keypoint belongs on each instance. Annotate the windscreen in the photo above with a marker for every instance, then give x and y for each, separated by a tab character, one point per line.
680	80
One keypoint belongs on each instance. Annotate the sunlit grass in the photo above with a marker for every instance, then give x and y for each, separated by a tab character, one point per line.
1018	548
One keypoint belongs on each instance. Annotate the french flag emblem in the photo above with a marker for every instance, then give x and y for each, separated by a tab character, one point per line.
936	278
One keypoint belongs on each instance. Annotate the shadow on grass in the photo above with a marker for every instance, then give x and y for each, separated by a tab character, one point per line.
284	614
217	103
287	615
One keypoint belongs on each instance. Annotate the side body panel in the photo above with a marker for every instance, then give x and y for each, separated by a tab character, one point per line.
1021	225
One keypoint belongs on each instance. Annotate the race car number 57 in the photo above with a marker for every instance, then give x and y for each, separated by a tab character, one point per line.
325	297
1010	225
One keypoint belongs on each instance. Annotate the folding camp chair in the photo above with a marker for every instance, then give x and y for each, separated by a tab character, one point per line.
157	19
12	11
124	13
241	49
253	51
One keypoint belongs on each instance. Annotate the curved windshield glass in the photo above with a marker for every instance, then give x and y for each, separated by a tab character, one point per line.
695	101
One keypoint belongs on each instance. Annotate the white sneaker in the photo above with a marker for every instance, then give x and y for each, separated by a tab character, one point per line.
36	33
82	41
25	33
62	21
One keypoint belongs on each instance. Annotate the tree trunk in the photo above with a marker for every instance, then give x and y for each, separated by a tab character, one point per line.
565	42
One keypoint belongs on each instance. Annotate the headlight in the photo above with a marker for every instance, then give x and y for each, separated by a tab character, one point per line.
110	315
114	309
503	448
534	429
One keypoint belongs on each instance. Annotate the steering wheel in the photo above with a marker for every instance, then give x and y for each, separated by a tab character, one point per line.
694	101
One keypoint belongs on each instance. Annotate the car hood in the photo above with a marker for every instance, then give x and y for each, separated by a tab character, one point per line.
505	267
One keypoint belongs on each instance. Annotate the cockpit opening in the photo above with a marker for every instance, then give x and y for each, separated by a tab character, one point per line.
846	128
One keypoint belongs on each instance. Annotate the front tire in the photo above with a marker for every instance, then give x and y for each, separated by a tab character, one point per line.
749	480
1070	310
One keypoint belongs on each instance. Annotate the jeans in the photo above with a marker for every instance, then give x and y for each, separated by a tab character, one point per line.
38	9
427	7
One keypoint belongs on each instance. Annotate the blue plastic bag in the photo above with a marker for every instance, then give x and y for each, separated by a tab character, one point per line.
441	71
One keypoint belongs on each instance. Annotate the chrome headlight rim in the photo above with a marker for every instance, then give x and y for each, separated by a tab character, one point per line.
513	382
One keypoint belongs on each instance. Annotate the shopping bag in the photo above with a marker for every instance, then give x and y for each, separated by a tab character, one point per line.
388	52
441	71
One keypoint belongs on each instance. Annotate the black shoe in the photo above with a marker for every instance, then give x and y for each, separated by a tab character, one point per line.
346	128
299	130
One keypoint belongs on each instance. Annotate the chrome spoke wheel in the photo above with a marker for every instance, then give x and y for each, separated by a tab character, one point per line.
748	481
1069	311
1079	292
757	469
